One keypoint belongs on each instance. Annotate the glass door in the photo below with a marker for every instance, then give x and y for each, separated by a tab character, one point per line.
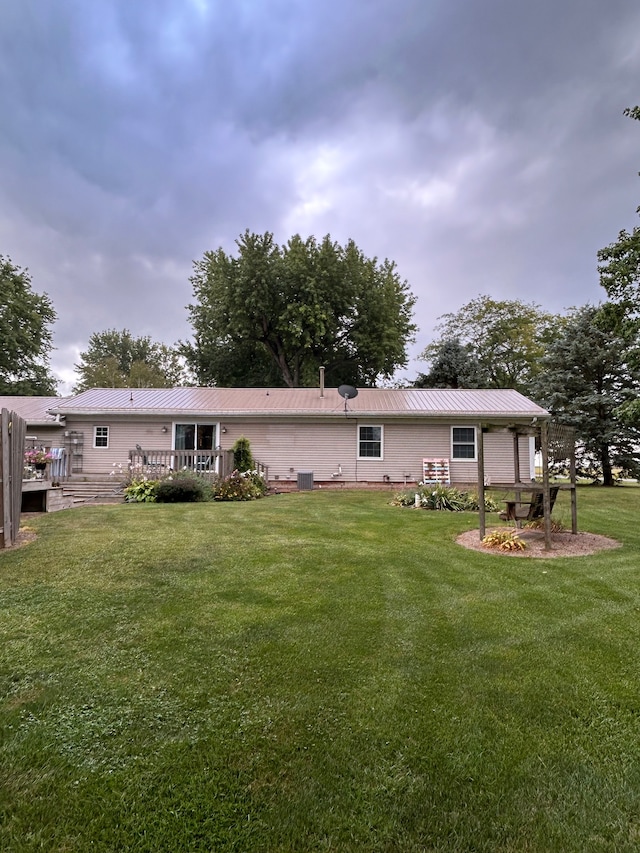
196	437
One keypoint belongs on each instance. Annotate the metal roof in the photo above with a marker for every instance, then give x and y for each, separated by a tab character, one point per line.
374	402
34	410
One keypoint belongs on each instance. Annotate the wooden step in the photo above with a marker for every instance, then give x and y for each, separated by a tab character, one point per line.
100	491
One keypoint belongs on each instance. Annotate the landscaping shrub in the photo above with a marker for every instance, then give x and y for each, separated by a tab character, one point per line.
140	490
202	479
240	486
242	456
538	524
490	503
446	497
504	540
181	489
437	496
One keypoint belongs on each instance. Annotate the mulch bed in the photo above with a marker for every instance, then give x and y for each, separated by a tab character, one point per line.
562	544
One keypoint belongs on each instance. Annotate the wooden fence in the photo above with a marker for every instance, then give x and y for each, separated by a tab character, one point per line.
13	430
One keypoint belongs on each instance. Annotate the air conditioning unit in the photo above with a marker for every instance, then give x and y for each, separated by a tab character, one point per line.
305	481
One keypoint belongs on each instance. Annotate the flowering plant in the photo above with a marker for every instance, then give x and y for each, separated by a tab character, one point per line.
141	490
36	457
240	486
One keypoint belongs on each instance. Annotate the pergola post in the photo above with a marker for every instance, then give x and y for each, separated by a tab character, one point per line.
556	443
546	497
574	497
516	463
480	451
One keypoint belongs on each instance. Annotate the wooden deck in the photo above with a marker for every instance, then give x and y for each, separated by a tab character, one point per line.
43	496
208	463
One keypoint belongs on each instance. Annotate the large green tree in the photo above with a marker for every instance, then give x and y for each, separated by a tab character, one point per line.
619	268
619	263
503	341
271	315
25	334
590	371
116	359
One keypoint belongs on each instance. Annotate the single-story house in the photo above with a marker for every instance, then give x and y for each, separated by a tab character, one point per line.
382	435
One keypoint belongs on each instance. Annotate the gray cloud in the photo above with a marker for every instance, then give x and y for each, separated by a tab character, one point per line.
481	146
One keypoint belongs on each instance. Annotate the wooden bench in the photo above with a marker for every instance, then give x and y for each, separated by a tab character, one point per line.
520	511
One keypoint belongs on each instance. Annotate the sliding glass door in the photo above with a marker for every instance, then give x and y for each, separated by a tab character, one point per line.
195	437
201	438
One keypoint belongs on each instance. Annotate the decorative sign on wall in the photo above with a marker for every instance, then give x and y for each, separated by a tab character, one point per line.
436	471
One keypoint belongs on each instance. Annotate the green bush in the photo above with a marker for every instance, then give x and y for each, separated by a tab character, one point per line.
140	490
490	503
242	456
445	497
202	479
180	490
440	497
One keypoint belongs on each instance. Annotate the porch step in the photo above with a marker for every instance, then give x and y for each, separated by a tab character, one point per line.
96	491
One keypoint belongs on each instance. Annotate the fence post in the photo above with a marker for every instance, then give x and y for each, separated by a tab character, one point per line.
12	434
5	481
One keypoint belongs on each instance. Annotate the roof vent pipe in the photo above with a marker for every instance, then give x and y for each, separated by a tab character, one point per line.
322	381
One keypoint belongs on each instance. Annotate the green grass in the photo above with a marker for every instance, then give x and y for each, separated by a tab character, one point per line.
317	672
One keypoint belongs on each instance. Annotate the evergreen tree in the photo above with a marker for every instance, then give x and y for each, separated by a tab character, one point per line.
589	372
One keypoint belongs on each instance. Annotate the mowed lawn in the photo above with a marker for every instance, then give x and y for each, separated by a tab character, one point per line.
318	671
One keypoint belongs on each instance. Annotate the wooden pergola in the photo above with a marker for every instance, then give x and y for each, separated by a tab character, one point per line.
556	443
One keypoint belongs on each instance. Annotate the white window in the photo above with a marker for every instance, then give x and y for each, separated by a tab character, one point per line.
463	443
101	436
370	442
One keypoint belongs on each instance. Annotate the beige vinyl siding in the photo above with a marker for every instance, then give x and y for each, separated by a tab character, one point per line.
405	446
48	436
499	463
290	445
124	434
287	447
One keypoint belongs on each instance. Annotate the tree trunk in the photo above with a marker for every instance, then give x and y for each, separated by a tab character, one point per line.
276	351
607	473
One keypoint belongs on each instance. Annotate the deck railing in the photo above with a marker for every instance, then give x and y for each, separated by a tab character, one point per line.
56	469
208	463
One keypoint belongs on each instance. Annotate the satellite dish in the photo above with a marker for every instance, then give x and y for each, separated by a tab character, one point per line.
348	392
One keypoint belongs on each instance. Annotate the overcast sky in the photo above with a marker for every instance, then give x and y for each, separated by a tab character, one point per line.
478	143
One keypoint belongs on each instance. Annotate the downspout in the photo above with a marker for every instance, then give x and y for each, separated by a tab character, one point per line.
322	381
